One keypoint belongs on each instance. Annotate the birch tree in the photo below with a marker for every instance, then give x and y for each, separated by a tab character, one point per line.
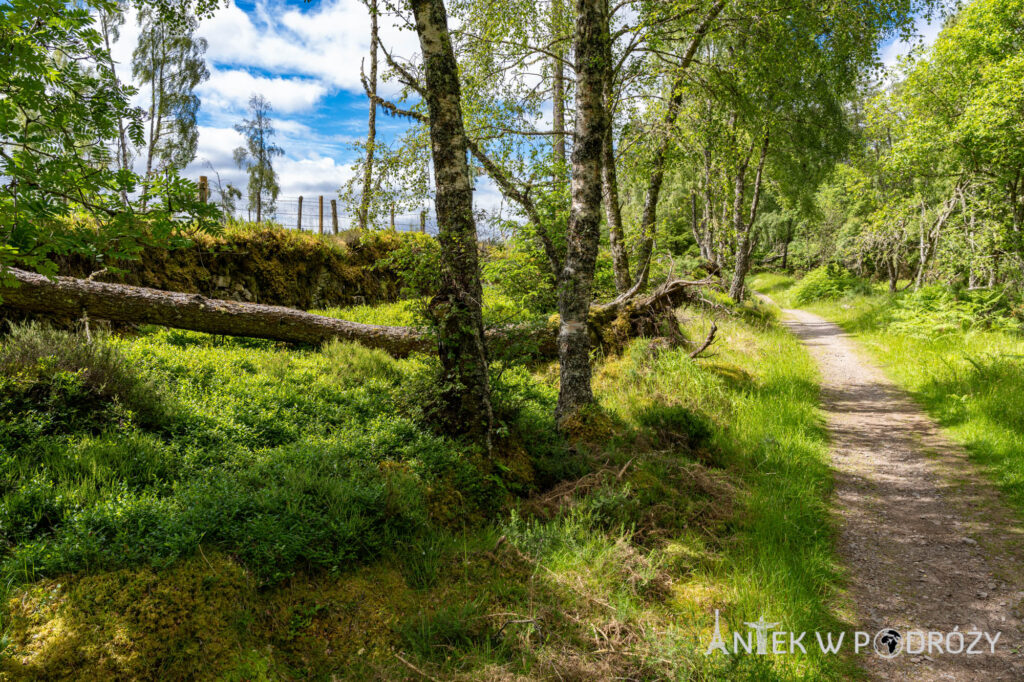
457	309
169	62
257	157
371	121
575	287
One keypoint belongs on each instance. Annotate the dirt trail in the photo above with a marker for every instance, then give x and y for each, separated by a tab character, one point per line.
927	542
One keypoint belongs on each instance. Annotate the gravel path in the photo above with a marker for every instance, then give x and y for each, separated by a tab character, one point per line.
927	542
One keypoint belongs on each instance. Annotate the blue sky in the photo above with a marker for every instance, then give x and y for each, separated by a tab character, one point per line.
305	58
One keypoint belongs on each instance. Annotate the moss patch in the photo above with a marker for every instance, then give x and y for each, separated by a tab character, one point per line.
270	265
130	624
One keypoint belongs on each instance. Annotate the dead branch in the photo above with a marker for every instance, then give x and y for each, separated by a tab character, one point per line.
707	342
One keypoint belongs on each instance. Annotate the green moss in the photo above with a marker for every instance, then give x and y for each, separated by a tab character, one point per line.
182	622
205	619
267	265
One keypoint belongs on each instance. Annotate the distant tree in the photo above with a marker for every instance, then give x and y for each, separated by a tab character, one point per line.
256	157
228	199
227	194
400	180
169	62
110	21
371	133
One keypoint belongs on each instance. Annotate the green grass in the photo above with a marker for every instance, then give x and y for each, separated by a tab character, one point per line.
969	380
291	513
772	284
139	449
498	310
760	390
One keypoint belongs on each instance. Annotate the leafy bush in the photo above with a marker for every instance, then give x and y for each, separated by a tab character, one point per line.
519	272
417	260
937	309
828	282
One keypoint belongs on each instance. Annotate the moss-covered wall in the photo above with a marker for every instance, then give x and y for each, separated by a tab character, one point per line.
272	266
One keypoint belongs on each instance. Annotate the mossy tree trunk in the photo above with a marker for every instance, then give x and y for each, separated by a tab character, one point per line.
457	308
610	325
69	297
575	288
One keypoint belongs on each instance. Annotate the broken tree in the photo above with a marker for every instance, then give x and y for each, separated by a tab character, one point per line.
610	324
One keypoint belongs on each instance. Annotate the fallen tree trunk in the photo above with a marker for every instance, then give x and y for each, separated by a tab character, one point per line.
611	324
139	305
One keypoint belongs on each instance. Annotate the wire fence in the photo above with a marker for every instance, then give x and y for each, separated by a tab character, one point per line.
321	214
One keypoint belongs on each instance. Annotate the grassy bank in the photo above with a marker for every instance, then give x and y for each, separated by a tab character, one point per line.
968	376
178	506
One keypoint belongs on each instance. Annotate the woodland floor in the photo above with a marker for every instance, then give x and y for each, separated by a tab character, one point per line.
927	541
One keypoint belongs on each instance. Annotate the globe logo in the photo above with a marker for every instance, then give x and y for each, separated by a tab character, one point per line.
888	643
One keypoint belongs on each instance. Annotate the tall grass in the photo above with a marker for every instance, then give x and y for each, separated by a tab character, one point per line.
971	381
954	355
761	390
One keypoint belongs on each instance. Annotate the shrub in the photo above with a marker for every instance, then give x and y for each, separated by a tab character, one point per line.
57	381
828	282
519	272
417	261
937	309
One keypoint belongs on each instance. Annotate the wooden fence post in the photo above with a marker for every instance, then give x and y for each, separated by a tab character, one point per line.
334	215
321	224
204	189
298	225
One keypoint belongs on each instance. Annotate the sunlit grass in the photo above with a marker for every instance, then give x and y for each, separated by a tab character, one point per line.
971	382
759	388
498	310
700	485
774	284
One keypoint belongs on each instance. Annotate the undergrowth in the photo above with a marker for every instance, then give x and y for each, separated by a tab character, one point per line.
255	512
826	283
128	450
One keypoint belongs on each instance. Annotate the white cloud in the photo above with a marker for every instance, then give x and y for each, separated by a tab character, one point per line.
231	89
312	175
296	57
327	42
